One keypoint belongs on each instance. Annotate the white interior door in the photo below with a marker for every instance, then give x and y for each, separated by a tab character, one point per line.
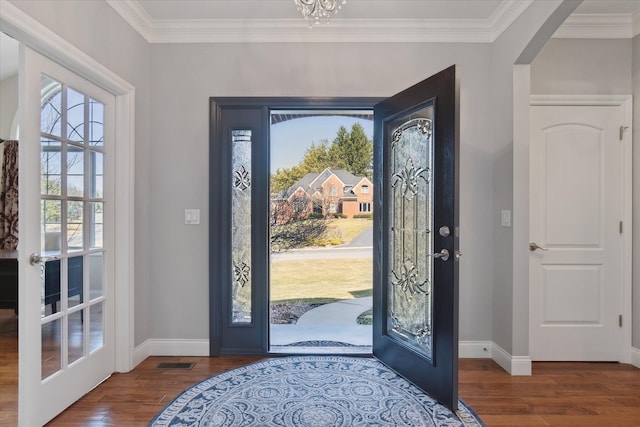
576	208
66	329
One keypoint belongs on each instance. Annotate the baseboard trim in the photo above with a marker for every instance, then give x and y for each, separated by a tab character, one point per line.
140	353
514	365
474	349
174	347
635	357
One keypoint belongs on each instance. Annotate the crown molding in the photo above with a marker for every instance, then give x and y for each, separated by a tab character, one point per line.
506	14
135	15
340	30
600	26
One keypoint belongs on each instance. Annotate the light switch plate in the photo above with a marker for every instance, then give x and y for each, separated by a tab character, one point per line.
192	216
506	218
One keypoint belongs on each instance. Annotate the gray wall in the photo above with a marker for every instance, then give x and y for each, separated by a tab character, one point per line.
181	87
602	67
636	190
95	28
8	104
180	90
510	300
173	85
583	66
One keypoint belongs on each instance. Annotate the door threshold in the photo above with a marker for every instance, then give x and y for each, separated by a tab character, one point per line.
352	350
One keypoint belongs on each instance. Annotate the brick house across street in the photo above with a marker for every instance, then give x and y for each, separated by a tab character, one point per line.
327	192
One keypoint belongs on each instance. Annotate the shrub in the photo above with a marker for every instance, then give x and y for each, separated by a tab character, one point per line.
363	216
339	215
324	241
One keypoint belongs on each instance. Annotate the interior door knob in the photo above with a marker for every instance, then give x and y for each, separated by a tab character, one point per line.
36	259
533	246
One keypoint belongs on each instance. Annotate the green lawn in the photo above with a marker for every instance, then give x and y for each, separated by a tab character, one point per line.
346	229
320	281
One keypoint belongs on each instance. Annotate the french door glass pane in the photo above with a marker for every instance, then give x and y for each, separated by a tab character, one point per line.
51	348
241	226
96	123
75	171
96	173
75	115
49	287
75	281
72	226
409	317
50	167
51	220
51	111
96	225
76	336
75	218
95	275
96	327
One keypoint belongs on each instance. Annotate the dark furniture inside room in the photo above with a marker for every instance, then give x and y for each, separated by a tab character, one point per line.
9	280
52	281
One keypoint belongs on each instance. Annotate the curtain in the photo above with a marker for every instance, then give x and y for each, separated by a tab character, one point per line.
9	197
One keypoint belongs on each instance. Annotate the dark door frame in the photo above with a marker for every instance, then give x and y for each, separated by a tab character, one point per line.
247	113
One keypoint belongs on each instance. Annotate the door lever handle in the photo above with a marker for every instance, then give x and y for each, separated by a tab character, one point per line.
36	259
533	246
443	255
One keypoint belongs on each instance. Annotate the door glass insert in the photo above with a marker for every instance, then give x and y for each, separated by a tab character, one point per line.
72	162
241	226
410	199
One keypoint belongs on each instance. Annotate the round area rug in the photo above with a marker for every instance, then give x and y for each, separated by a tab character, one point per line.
310	391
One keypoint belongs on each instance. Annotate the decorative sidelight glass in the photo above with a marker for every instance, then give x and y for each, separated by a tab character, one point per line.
410	199
241	226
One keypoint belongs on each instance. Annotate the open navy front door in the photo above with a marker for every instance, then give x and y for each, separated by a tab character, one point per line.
416	235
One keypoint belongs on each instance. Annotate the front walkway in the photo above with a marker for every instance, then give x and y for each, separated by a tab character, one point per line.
328	328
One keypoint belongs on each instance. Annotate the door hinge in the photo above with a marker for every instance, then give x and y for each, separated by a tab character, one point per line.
620	227
620	320
622	129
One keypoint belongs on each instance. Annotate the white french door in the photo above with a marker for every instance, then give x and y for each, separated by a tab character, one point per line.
66	297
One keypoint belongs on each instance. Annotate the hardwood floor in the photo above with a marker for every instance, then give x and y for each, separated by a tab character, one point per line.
558	394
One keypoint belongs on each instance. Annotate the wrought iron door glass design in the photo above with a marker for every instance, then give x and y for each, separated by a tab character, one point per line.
241	226
410	199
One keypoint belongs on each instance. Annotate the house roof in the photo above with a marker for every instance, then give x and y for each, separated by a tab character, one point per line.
313	181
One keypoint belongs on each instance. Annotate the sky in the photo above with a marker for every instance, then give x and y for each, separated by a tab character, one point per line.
290	139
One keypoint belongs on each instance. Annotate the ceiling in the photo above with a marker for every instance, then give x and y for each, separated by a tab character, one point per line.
194	21
198	21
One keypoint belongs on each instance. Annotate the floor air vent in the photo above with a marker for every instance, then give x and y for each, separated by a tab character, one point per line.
174	365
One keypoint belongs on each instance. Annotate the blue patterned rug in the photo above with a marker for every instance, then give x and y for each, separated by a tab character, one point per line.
306	391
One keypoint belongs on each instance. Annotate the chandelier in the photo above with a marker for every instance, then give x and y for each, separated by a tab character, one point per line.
315	11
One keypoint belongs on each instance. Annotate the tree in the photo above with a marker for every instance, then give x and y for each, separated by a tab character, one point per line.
318	157
285	178
353	151
292	225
